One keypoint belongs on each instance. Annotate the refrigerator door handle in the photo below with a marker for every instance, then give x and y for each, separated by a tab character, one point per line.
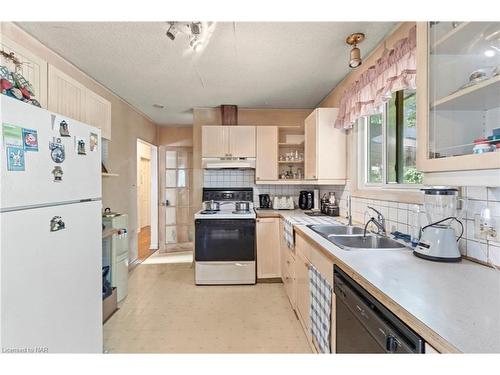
56	224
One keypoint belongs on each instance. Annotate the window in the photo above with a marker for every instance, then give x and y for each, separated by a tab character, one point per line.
389	141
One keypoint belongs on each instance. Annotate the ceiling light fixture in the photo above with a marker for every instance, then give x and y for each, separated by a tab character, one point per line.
489	53
355	55
172	31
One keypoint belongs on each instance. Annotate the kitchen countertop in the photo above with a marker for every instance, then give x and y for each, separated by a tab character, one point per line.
455	307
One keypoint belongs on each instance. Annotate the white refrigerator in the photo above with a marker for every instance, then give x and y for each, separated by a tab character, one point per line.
51	234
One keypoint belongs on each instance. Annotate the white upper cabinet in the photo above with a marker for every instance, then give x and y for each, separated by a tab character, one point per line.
458	97
33	68
70	98
98	113
66	95
242	141
325	147
266	166
228	141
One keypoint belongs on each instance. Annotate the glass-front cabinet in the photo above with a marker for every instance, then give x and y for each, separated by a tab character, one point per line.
458	85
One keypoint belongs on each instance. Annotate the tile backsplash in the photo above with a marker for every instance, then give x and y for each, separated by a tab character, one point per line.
402	216
399	216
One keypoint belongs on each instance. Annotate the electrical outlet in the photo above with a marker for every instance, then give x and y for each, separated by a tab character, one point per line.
487	227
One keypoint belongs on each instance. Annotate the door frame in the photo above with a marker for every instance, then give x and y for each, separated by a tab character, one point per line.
154	199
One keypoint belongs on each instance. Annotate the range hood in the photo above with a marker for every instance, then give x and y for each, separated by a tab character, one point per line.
228	163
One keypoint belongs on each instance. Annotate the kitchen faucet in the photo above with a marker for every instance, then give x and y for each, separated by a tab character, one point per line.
379	222
349	211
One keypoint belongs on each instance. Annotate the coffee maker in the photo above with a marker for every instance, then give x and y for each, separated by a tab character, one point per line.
306	200
264	201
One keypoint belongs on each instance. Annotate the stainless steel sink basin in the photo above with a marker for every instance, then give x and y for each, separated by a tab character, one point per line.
370	242
351	238
336	230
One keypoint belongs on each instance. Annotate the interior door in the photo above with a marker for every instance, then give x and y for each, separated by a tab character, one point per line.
176	215
145	192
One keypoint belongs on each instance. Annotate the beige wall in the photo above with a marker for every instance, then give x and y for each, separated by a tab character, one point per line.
127	124
246	116
172	136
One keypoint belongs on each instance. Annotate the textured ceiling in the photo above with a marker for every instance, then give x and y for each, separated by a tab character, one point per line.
250	64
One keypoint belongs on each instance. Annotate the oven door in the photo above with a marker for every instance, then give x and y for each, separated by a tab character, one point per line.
224	240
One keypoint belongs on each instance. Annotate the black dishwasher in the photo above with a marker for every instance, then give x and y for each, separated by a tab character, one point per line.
364	325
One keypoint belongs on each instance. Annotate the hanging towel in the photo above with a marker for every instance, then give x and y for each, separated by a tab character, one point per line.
321	310
288	233
290	221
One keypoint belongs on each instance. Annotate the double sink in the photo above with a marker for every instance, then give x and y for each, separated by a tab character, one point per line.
349	237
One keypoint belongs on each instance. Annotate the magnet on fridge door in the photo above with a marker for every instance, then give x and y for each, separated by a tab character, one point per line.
63	129
15	159
93	141
30	139
12	135
57	151
81	147
58	173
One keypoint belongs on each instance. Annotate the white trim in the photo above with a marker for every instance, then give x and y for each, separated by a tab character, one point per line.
362	173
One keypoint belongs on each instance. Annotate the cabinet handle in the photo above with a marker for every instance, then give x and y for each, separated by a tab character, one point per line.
287	262
258	178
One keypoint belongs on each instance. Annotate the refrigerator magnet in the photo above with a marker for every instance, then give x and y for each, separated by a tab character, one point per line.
57	151
12	135
15	159
81	147
58	173
63	129
30	139
93	141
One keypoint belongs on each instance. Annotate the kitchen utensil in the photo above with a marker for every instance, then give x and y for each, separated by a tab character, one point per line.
242	206
211	205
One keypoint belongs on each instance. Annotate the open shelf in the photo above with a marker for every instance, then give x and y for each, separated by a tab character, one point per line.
455	42
480	97
291	162
291	144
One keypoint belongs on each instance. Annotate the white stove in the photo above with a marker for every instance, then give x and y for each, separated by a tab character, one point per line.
227	211
225	244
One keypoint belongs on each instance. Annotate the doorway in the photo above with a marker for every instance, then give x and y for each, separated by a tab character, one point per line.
147	196
176	232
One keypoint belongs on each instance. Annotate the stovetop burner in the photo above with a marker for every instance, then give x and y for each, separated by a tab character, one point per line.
209	212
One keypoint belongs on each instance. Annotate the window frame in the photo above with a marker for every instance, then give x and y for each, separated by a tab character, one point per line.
363	159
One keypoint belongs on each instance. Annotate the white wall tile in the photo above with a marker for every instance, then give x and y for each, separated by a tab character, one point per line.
393	214
477	250
477	192
494	194
402	216
494	255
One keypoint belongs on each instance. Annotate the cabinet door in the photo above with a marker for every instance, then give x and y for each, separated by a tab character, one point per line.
302	290
242	141
268	254
98	113
310	153
33	68
215	141
267	153
66	95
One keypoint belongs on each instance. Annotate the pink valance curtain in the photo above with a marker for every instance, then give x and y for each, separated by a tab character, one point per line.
395	70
